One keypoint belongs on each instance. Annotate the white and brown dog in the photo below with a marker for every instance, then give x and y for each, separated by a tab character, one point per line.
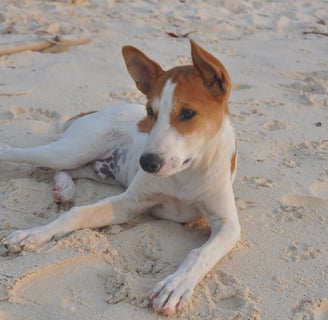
177	159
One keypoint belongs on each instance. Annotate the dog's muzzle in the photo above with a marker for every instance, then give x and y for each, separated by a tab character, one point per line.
151	162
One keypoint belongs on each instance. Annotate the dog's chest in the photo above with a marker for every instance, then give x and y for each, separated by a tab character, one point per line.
173	209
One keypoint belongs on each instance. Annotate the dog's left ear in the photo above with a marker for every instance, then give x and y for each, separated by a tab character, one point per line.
143	70
212	71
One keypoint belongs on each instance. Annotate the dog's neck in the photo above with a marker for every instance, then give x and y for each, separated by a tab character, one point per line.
217	152
212	165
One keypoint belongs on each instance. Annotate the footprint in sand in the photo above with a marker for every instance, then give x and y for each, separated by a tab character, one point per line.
311	310
244	116
317	149
221	296
275	125
26	122
258	182
129	287
319	196
312	86
29	113
289	213
129	96
300	252
295	207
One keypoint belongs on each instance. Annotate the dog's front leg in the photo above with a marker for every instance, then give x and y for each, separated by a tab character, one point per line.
113	210
172	294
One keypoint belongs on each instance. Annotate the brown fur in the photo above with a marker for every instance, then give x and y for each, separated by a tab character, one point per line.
233	163
191	93
146	124
203	87
200	224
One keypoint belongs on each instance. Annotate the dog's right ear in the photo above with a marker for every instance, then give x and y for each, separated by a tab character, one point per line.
143	70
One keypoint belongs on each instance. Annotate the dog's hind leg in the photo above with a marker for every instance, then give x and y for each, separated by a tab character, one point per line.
60	154
64	189
87	138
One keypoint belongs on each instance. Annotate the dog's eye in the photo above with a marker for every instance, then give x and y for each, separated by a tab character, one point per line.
150	112
186	114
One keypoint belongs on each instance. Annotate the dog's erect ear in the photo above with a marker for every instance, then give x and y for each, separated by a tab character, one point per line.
143	70
212	71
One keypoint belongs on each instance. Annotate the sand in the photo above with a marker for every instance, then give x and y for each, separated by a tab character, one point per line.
279	106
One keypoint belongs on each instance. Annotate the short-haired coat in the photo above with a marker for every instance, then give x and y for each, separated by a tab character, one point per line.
177	158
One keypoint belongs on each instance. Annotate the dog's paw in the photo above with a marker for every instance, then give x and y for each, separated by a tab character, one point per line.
21	240
172	295
64	189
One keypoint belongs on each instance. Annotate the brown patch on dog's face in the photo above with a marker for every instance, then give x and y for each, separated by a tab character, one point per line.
195	108
200	97
147	123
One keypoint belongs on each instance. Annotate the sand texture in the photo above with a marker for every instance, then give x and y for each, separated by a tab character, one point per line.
277	56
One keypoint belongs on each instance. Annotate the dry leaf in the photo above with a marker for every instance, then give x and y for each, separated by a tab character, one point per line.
179	35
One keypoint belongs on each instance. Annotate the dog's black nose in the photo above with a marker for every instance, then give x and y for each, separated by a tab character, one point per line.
151	162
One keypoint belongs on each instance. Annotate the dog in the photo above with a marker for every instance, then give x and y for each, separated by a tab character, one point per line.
177	157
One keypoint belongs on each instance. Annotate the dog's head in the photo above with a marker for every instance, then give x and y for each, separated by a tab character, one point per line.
185	108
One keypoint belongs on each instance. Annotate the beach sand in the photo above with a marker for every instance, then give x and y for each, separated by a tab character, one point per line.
277	56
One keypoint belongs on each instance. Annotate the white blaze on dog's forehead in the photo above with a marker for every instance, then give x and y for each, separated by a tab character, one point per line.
164	103
163	136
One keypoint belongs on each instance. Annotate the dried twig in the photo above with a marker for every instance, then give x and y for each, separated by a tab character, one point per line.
13	94
53	45
179	35
316	32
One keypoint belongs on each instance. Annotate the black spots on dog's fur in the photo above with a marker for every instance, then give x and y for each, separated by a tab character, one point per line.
110	167
106	171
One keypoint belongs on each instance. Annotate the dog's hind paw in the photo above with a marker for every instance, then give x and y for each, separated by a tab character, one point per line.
64	189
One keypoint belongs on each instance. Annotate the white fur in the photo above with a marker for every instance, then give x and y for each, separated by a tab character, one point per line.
173	156
183	191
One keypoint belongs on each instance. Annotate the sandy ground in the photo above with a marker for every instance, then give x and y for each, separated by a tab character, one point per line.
279	270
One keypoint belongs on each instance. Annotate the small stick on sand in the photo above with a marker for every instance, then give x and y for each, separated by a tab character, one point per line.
53	45
316	32
13	94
